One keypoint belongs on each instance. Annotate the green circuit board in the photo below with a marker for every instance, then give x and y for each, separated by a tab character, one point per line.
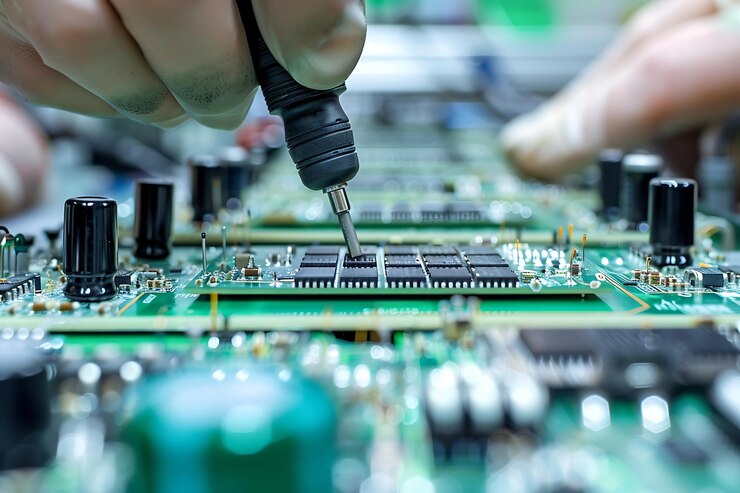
495	335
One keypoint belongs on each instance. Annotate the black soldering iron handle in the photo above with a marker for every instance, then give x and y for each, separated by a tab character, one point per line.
317	130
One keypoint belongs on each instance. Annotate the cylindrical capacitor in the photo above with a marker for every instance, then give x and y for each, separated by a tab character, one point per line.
610	164
154	216
26	438
205	176
672	207
236	175
263	428
90	248
637	171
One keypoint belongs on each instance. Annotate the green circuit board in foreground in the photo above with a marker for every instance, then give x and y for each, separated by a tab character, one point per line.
259	288
494	409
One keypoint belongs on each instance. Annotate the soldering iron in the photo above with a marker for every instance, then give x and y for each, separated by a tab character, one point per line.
317	130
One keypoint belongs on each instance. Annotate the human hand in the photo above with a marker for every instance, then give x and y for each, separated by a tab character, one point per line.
23	158
164	61
675	67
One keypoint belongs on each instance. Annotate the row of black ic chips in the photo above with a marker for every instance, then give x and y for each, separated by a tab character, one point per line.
408	267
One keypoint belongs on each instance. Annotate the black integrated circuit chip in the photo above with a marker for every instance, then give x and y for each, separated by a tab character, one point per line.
371	212
438	250
450	277
400	250
368	260
478	250
432	213
677	356
486	261
401	260
319	260
402	212
463	211
315	277
16	286
558	344
323	250
495	277
359	277
443	261
405	277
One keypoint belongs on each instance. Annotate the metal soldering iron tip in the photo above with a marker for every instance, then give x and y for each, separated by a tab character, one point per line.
340	207
350	235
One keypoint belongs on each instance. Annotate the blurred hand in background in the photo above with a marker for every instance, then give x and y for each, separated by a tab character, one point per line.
674	68
23	158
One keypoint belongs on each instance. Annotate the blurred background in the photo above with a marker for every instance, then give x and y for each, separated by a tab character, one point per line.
456	63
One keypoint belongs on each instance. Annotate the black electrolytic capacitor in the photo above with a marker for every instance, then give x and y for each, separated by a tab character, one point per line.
26	437
610	164
672	208
637	171
205	181
236	174
153	220
90	248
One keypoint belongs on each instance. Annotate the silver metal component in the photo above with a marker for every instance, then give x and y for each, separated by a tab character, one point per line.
2	256
338	198
340	207
6	249
223	244
203	252
350	235
643	162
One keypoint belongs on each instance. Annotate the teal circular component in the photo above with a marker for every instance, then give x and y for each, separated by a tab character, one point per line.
228	431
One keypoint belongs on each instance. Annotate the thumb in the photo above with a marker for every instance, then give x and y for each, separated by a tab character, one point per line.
318	41
684	78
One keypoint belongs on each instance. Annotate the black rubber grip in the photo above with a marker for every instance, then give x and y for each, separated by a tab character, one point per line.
317	130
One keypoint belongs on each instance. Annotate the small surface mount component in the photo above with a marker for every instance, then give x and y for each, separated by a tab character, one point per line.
704	277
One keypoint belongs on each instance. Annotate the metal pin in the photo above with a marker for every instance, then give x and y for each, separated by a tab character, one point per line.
2	255
223	244
560	237
203	251
249	230
583	250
